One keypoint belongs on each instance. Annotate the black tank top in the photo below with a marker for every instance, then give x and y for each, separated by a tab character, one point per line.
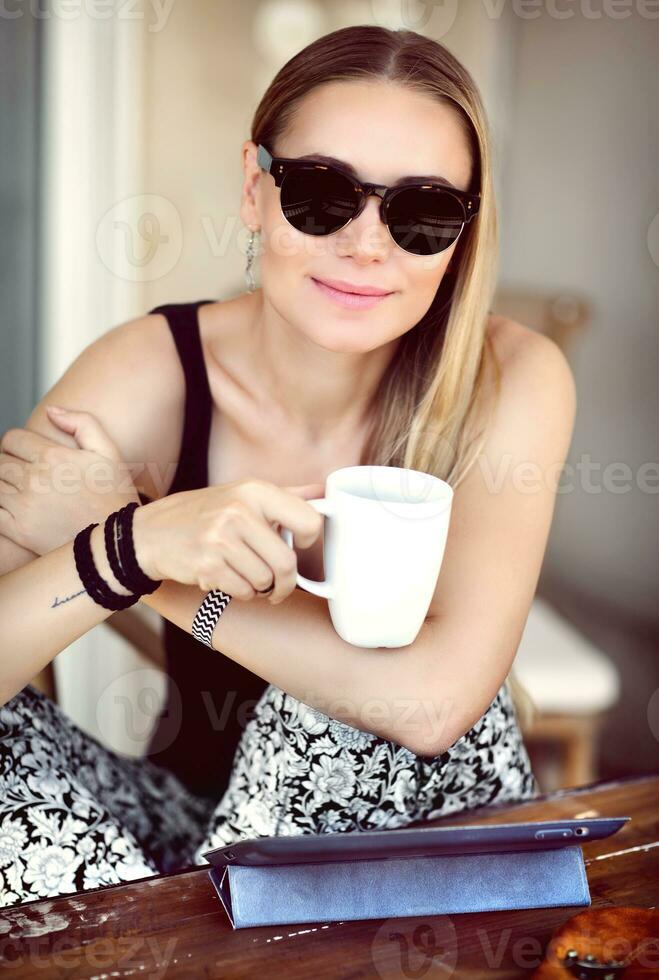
209	697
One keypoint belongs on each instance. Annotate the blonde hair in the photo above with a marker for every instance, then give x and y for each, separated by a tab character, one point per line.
432	399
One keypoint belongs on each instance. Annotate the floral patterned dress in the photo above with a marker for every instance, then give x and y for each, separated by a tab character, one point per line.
299	771
74	815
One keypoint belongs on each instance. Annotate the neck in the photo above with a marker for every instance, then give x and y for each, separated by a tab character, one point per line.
322	392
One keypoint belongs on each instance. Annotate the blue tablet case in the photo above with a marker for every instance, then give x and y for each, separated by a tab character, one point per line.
286	894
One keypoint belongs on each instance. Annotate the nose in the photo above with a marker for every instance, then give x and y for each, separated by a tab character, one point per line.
367	236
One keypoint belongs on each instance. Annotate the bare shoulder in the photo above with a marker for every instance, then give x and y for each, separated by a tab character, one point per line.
538	391
528	357
513	341
131	379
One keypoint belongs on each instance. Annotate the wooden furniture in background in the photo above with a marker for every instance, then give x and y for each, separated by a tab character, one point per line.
560	314
138	626
573	685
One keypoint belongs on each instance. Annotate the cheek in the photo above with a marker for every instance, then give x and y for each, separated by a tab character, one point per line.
420	277
424	274
425	269
287	252
286	261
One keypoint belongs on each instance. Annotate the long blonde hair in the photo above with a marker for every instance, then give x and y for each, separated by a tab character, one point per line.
431	400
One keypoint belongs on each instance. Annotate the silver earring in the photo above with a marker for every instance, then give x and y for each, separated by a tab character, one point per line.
251	254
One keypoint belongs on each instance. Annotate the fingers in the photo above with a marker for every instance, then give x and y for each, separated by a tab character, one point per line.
295	513
280	560
11	473
7	524
8	497
256	560
309	491
229	580
23	444
245	561
86	430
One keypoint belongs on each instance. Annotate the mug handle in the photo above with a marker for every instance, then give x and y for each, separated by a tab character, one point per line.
323	589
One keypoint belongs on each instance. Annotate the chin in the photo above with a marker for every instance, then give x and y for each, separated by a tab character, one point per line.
344	338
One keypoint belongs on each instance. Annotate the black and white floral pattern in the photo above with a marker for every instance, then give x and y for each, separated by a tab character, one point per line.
298	771
74	815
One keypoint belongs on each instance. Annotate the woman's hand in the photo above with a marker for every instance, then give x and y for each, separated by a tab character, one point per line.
226	537
49	491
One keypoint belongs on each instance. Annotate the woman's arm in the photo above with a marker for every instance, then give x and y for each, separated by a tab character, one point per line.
45	608
425	695
428	694
119	377
293	645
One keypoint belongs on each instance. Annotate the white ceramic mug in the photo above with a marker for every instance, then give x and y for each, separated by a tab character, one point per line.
382	551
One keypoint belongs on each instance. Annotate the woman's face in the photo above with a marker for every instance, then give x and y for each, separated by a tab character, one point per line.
385	131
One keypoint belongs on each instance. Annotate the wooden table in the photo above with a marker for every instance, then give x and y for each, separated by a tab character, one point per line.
174	925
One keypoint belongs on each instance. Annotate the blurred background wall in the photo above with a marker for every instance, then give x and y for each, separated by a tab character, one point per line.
582	175
141	123
20	59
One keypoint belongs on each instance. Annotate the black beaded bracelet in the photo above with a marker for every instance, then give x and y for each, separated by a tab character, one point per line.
132	577
97	587
111	550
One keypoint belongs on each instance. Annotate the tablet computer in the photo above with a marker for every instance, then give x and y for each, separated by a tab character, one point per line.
417	841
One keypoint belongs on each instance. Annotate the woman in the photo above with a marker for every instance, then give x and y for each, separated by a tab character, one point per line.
254	400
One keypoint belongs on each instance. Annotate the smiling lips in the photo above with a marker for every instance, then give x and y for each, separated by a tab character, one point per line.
351	295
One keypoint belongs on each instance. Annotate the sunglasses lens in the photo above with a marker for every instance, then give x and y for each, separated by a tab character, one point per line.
317	202
425	222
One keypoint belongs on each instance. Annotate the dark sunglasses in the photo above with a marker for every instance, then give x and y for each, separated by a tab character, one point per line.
423	217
